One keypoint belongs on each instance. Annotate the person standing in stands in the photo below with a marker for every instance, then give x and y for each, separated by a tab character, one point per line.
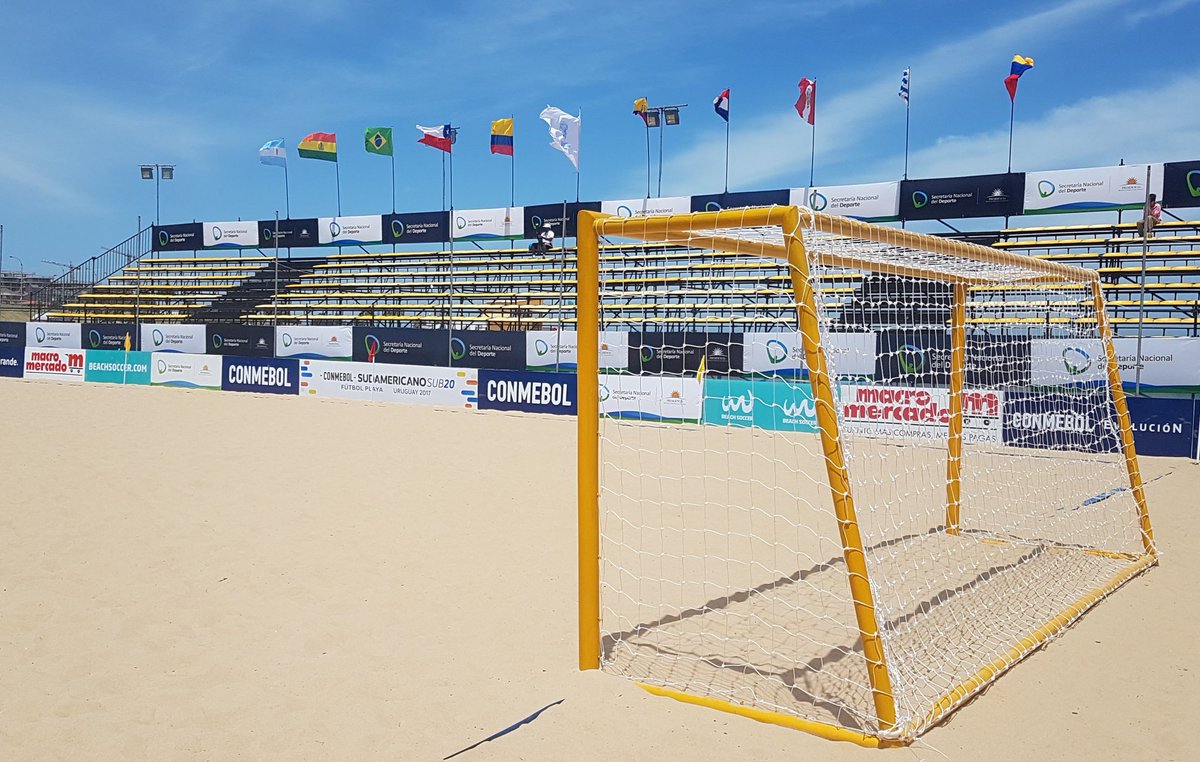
1151	216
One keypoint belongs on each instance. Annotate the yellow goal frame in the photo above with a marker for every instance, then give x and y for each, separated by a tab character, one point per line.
705	229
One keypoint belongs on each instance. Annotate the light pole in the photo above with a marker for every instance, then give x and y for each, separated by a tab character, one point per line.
660	117
157	172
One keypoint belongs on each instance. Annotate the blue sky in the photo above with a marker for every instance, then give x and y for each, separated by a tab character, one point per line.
92	90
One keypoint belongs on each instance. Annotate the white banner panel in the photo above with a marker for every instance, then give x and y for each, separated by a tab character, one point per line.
873	202
350	230
230	235
1169	364
164	337
51	364
651	398
64	335
192	371
641	207
1067	362
314	342
550	350
912	413
780	353
614	350
410	384
488	224
1090	190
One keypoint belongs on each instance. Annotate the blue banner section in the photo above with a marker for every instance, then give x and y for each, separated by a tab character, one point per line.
1181	184
403	346
302	232
1078	421
12	335
243	340
775	405
416	227
261	374
109	335
185	237
1163	426
527	391
715	202
107	366
488	349
12	361
552	215
943	198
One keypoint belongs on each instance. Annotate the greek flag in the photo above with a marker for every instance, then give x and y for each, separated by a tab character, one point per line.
904	86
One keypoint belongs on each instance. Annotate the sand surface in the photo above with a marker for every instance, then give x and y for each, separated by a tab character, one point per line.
207	575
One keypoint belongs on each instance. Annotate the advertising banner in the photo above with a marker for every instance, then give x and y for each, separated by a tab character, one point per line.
552	214
715	202
416	227
12	361
1068	362
375	382
913	357
1078	421
488	349
644	207
774	405
551	350
107	366
242	340
1094	189
651	398
614	350
872	202
231	235
164	337
972	196
314	342
270	375
527	392
1170	365
185	237
52	364
1163	426
906	412
1181	184
679	352
298	233
353	231
12	334
62	335
781	353
502	224
109	335
997	361
190	371
402	346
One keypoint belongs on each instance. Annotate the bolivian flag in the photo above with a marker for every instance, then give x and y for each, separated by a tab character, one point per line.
319	145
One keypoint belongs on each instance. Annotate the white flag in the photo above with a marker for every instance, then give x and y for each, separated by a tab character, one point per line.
564	132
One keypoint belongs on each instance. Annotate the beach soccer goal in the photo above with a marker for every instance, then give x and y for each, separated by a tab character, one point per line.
839	476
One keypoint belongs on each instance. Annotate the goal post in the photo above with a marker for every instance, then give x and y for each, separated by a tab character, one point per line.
807	569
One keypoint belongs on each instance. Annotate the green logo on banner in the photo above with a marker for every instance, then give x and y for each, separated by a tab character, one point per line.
1193	183
458	350
920	199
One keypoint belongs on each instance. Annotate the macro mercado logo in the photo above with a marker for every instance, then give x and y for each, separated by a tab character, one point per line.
94	338
777	351
817	201
458	350
919	199
541	347
1076	360
1046	188
39	334
911	358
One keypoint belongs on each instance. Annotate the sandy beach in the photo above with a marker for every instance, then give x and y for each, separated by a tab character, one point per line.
204	575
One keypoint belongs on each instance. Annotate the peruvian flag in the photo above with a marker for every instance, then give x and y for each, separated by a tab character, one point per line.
806	104
440	137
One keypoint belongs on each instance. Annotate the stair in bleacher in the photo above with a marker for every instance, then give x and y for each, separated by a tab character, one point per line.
255	290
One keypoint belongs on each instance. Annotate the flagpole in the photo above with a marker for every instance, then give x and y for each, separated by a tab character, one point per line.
661	129
726	154
287	194
1012	110
907	112
337	173
812	156
450	293
578	158
393	158
512	170
647	157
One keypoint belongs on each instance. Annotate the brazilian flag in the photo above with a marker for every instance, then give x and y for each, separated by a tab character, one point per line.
379	140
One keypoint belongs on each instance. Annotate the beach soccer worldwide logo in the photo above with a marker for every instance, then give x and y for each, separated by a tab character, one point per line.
458	350
739	404
1076	361
911	358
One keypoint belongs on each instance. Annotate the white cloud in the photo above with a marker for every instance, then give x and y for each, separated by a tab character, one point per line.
1156	11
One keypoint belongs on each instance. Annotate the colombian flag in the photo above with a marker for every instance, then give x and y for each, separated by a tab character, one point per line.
1020	65
319	145
502	136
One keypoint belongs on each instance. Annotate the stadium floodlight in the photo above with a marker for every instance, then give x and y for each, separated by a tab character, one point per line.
147	171
168	172
671	115
652	119
157	172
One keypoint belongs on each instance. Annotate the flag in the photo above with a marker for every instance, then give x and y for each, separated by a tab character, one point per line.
440	137
378	140
641	107
806	104
1020	65
564	132
904	86
319	145
721	104
273	153
502	136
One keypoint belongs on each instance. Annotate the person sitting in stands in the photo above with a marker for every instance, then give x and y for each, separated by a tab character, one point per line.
1152	215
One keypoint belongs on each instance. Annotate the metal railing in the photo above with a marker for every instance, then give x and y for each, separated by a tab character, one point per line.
89	273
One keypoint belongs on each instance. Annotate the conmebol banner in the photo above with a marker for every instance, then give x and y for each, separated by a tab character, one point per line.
1090	190
872	202
527	392
266	375
350	230
645	207
231	235
505	223
408	384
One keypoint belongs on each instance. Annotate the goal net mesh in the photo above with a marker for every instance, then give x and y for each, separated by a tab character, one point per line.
722	567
